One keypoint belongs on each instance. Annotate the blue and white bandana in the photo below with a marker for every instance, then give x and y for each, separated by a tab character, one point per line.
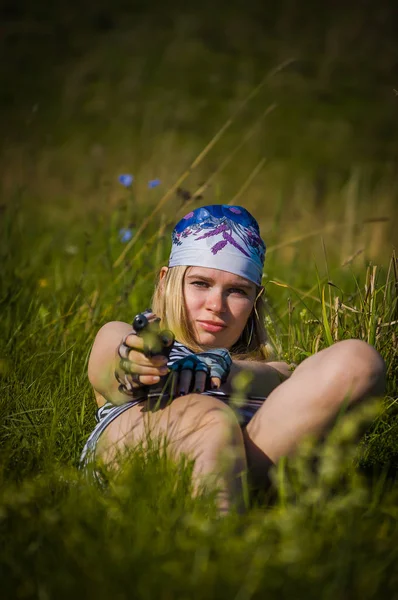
219	237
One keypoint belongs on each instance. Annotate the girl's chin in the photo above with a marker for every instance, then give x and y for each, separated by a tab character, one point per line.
212	340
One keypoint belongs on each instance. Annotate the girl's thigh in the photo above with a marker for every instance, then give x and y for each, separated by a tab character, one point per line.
185	424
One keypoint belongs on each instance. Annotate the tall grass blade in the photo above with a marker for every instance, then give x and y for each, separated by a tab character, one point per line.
198	160
248	181
325	321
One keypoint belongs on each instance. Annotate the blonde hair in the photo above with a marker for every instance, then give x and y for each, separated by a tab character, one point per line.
168	304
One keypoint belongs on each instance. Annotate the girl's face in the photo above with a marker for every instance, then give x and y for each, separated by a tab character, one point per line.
218	304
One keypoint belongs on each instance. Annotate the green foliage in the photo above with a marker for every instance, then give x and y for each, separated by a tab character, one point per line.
145	536
328	527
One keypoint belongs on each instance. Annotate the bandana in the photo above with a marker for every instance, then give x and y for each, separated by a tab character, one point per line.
219	237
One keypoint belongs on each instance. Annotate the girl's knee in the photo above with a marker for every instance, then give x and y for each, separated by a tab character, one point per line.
361	362
350	369
205	427
206	408
353	364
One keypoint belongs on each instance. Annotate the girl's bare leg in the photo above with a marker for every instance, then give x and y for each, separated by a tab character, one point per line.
310	399
201	427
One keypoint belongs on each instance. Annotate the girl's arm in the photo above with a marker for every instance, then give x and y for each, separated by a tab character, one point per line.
103	360
266	376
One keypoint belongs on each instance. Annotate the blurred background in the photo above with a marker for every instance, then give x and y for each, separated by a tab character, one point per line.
93	89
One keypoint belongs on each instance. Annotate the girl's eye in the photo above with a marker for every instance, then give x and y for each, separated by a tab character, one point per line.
204	284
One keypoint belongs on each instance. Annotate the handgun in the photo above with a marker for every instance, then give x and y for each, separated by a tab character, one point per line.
156	341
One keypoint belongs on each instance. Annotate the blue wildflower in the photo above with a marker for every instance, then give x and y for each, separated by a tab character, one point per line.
154	183
126	180
125	234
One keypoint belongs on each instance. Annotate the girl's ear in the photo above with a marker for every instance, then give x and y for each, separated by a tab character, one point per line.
162	275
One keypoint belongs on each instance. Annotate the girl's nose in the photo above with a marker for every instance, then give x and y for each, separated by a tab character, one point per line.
215	302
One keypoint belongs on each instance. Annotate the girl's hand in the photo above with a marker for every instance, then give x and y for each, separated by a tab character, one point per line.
190	375
201	371
136	369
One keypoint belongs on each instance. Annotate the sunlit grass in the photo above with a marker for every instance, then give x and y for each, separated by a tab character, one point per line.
325	524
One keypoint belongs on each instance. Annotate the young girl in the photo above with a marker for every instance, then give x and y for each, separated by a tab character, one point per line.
210	297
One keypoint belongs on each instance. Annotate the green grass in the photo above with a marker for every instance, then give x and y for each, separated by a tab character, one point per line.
328	528
330	523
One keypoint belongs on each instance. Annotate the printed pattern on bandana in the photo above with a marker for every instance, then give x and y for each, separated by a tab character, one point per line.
228	225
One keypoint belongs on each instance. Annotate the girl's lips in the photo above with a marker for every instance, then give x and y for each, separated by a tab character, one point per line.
212	327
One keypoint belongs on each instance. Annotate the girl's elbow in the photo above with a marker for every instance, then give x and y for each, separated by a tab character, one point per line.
103	352
283	369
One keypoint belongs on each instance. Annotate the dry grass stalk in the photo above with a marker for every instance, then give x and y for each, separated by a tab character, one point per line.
170	192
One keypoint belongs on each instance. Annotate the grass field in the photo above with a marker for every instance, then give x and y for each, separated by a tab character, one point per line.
313	159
